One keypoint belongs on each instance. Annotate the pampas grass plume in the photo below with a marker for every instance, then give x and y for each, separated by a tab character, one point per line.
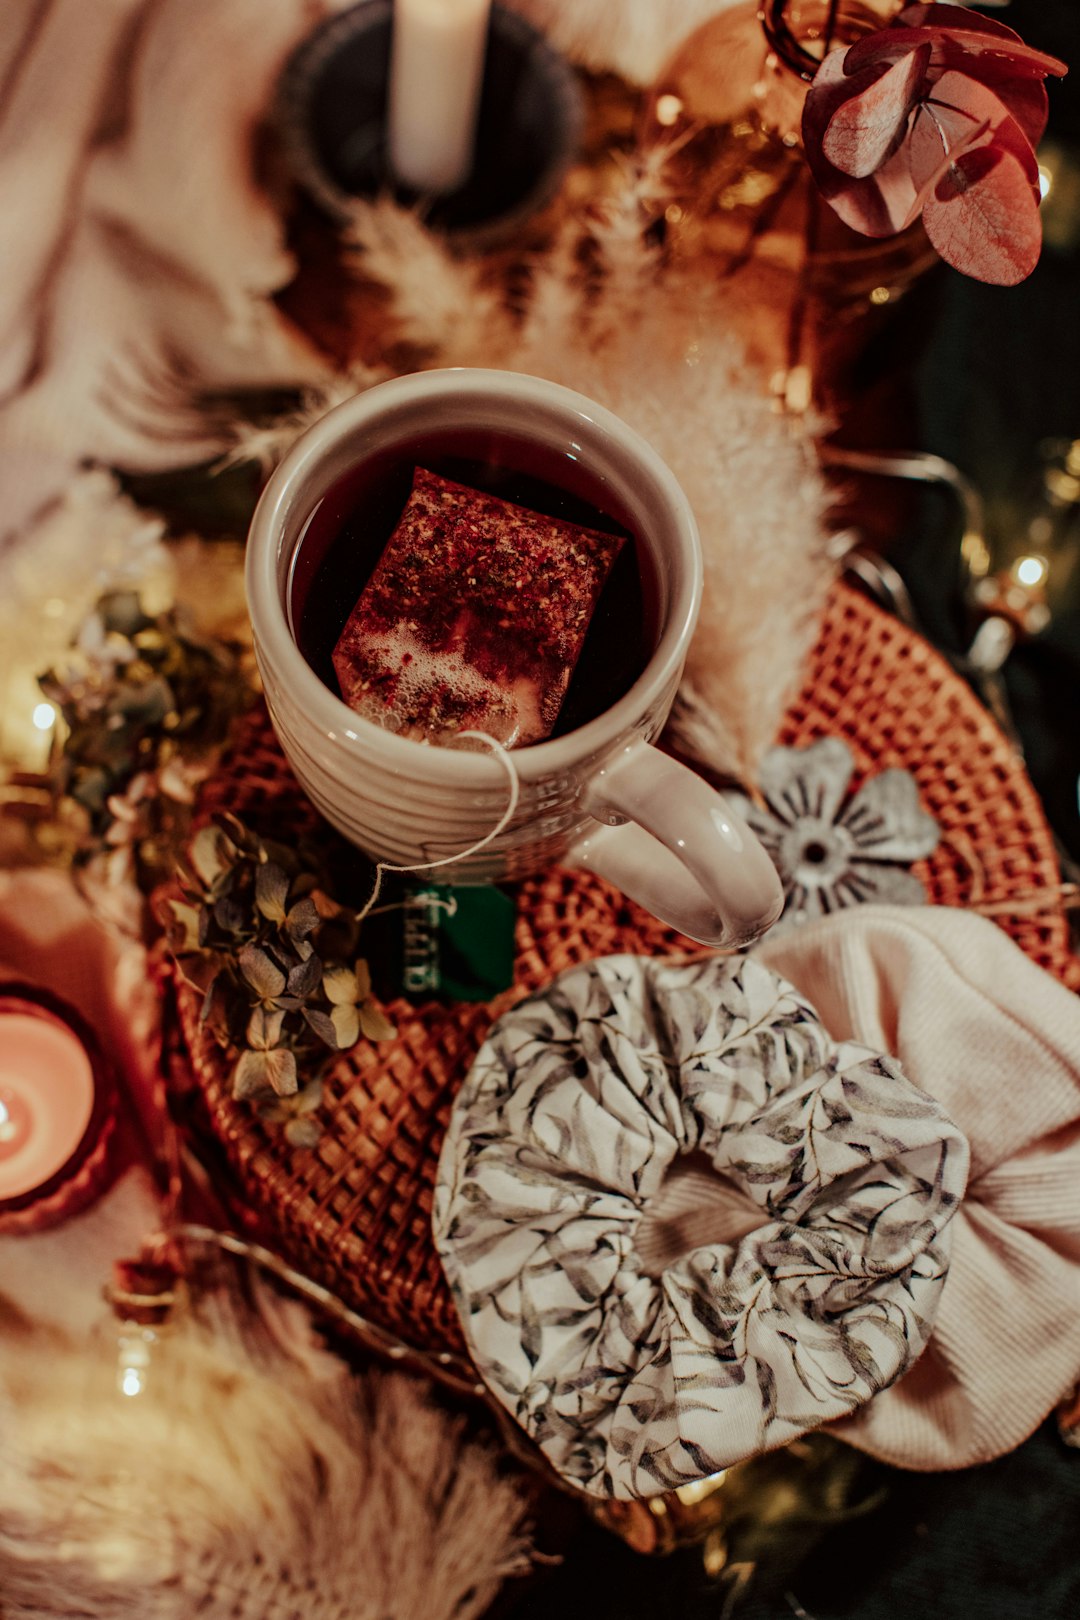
242	1487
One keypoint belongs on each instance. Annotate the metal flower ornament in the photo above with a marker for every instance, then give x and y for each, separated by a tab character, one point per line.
833	848
937	114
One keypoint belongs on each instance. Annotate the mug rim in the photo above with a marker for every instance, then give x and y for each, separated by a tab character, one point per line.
275	518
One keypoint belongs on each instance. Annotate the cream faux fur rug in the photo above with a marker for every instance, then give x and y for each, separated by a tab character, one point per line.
254	1476
140	248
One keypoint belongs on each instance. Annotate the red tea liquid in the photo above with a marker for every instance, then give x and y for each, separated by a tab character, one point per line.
346	533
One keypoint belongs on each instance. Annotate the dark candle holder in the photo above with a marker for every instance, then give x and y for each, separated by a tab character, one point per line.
332	116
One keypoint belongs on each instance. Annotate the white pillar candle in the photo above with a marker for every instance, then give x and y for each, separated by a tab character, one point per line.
436	72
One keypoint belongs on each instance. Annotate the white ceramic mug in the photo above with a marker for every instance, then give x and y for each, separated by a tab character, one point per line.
600	796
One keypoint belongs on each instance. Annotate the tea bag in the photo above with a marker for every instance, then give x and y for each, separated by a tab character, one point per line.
474	617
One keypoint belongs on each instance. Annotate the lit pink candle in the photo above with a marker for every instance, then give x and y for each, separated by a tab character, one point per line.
53	1116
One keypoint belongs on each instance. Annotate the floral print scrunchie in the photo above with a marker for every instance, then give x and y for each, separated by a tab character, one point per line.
578	1103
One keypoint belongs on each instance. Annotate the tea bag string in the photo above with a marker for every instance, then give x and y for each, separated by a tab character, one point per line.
503	757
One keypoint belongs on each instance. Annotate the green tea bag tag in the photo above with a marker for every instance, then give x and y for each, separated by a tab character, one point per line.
457	942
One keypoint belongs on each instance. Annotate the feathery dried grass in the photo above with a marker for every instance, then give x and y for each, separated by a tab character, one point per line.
677	375
440	303
244	1485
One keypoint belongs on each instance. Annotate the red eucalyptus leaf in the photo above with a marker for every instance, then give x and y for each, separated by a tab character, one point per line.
983	219
908	180
984	52
829	91
1026	99
1010	138
941	16
930	157
867	128
939	112
881	204
1027	102
959	105
926	152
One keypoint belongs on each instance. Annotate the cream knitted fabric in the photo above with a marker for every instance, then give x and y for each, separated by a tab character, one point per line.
997	1042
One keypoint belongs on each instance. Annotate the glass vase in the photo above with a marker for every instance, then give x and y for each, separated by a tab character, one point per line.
809	290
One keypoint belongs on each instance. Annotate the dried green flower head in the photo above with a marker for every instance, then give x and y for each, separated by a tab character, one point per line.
353	1011
146	702
274	958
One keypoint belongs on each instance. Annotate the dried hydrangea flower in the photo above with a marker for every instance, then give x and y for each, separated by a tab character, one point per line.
833	849
255	932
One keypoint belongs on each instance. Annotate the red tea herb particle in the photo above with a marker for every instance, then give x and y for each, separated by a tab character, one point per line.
474	617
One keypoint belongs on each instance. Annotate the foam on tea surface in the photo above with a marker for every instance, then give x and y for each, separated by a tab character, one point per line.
474	617
421	691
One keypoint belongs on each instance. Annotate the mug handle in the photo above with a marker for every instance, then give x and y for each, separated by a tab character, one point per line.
674	845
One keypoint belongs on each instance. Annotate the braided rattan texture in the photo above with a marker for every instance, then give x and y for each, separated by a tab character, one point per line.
354	1212
895	701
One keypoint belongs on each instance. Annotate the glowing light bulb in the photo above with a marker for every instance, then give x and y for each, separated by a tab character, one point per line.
696	1490
1046	180
44	716
1031	571
136	1344
668	109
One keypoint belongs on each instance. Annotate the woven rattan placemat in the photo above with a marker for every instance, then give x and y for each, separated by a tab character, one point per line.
353	1212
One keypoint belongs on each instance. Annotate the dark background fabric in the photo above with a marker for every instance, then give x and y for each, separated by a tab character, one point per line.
998	1542
998	374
